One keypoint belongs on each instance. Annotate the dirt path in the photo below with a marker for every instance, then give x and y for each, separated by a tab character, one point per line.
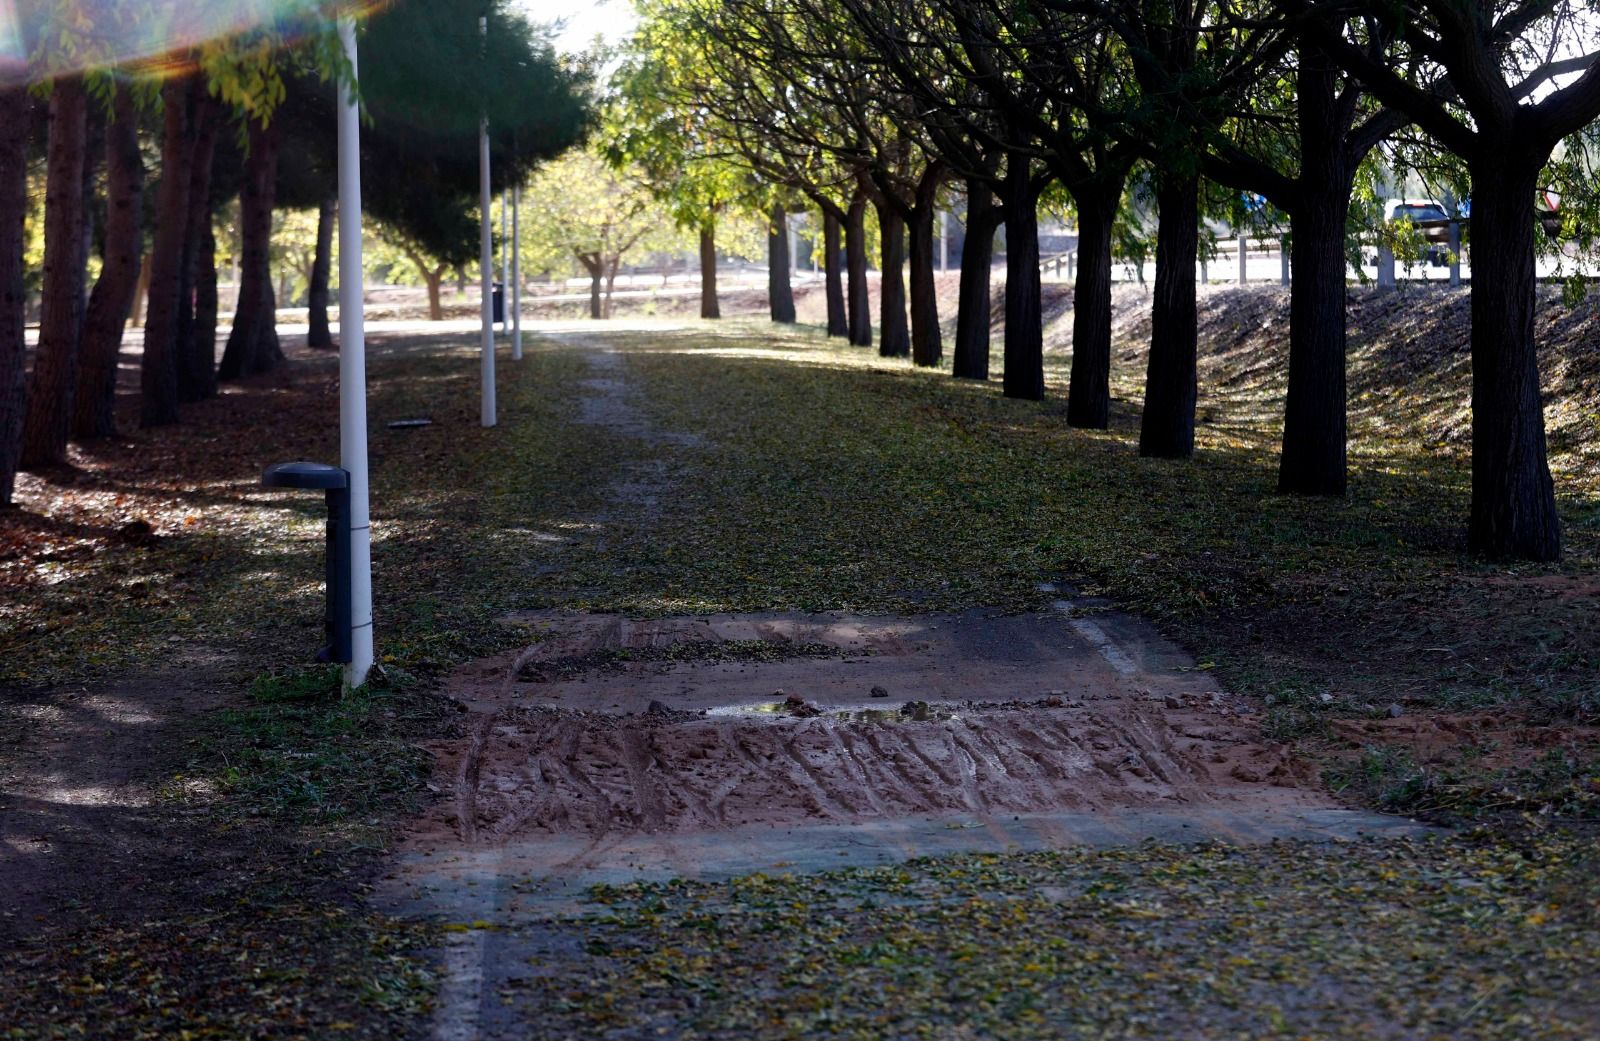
614	750
80	825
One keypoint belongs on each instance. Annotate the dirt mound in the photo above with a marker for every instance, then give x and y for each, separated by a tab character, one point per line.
607	725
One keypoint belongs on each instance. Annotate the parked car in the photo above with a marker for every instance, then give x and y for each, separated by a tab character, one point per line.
1431	221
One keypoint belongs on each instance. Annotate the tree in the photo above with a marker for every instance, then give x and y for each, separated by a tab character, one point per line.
112	297
320	335
579	210
16	116
196	351
652	123
253	346
1521	76
427	79
807	91
1310	174
55	368
158	369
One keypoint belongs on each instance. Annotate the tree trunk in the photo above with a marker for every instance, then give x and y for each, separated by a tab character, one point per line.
141	293
1089	393
1314	425
597	272
971	361
1167	427
894	334
611	283
197	340
16	112
1024	346
55	365
855	255
709	307
320	335
833	281
158	370
435	280
927	344
1513	499
253	345
201	350
95	412
780	294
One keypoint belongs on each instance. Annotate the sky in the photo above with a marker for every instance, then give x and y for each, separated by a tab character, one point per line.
585	19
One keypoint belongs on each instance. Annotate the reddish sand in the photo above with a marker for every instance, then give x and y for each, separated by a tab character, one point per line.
1015	714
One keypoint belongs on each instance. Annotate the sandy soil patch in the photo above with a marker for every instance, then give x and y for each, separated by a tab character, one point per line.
606	725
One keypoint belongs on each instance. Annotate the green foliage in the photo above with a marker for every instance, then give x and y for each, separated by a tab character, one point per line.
306	750
580	214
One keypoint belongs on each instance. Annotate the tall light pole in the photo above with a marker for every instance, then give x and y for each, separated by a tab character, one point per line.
516	272
353	371
486	260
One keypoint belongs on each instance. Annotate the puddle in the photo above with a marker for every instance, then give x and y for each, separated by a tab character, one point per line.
910	712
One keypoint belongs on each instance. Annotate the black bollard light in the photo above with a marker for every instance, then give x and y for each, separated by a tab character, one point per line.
335	481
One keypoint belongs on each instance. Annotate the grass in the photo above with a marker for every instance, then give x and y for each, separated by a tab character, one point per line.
1461	937
761	471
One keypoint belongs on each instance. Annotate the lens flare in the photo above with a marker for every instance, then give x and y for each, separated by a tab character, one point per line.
41	39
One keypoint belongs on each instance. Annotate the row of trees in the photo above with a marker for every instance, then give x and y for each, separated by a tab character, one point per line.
845	104
247	119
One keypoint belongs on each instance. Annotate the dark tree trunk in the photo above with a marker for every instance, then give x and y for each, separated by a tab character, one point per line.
1024	346
709	308
1167	427
1089	393
95	413
597	274
927	344
1513	499
16	111
855	254
320	335
779	293
197	337
158	370
971	359
253	345
1313	460
55	365
838	323
894	335
1314	423
201	350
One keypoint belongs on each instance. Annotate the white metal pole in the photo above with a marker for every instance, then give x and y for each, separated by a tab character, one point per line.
486	262
1244	258
353	373
516	272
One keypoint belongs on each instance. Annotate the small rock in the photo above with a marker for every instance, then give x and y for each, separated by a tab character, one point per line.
915	709
1053	701
1395	711
1324	698
799	706
1172	702
658	708
879	692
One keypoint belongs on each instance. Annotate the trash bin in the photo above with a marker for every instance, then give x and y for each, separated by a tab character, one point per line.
335	481
499	305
